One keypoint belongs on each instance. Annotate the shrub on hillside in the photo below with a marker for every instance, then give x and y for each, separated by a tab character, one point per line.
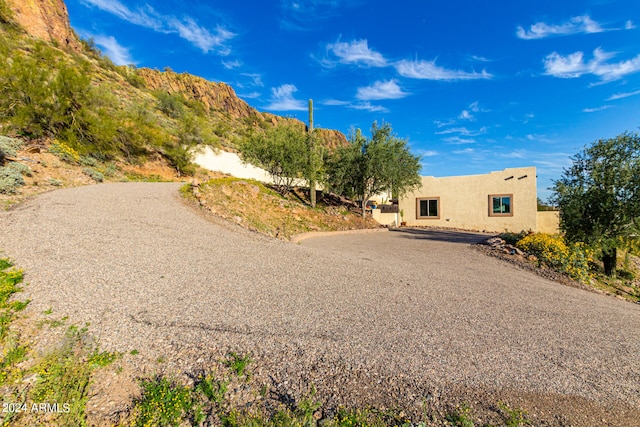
10	179
65	152
553	251
9	146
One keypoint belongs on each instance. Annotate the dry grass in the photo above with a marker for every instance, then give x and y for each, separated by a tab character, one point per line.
257	207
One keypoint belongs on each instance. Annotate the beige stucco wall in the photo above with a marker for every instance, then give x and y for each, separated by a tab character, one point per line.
464	201
548	222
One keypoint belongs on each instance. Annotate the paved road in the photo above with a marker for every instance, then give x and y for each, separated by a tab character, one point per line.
380	316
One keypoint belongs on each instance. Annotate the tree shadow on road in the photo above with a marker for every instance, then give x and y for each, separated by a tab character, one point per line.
465	237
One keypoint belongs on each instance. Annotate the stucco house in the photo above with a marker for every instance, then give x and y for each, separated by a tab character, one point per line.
495	202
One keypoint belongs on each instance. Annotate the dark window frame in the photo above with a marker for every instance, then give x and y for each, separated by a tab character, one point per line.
499	214
419	199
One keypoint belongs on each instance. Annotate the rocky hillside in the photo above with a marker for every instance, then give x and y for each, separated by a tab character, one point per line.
188	109
45	19
221	98
213	96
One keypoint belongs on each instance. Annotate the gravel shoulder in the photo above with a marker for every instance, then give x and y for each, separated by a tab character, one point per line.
379	319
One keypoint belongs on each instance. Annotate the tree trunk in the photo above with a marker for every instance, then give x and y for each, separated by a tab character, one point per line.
312	193
609	257
364	209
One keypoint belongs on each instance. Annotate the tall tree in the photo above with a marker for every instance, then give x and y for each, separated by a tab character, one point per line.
599	196
281	150
369	166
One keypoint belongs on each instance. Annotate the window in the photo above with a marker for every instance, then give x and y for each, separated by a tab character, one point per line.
501	205
428	208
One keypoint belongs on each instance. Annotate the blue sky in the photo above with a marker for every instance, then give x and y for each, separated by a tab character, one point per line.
474	86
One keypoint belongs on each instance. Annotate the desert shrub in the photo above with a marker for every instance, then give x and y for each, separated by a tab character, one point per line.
10	180
179	157
552	250
65	152
9	146
512	238
20	168
110	170
97	176
130	73
171	104
88	161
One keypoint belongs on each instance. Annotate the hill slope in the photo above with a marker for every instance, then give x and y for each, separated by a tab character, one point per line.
58	87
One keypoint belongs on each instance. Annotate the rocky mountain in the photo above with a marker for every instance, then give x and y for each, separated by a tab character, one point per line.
45	19
214	96
220	97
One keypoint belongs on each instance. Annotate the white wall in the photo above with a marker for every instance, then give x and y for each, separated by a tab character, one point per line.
229	163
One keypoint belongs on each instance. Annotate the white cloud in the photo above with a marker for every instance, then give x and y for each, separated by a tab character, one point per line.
629	25
593	110
465	151
516	154
574	65
623	95
456	140
358	106
300	15
139	17
576	25
250	95
474	107
187	28
388	89
335	103
356	52
540	138
118	54
368	107
480	58
282	99
463	131
428	70
426	153
466	115
441	124
230	65
256	79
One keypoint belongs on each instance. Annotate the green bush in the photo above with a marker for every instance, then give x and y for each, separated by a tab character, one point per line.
11	177
97	176
162	403
10	146
512	238
171	104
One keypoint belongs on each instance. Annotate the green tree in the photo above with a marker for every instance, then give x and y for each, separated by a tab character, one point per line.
599	196
368	166
281	150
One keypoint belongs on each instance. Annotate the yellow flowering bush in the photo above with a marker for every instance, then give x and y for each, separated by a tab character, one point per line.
65	152
553	251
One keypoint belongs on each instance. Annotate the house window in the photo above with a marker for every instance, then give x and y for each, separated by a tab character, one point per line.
501	205
428	208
